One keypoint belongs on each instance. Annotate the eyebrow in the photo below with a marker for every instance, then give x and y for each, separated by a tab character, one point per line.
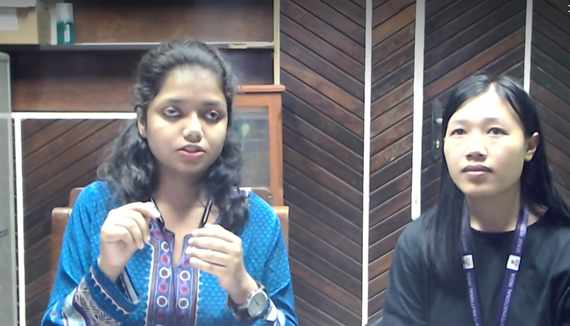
212	103
487	119
206	103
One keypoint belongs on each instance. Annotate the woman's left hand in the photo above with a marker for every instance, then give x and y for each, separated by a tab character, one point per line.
218	251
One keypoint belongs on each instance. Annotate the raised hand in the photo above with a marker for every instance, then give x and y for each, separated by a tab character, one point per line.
218	251
125	230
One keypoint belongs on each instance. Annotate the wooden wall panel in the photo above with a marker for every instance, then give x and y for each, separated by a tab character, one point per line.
110	21
462	38
58	155
102	80
550	83
322	67
391	137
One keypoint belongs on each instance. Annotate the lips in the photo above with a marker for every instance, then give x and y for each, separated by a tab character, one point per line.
476	168
192	149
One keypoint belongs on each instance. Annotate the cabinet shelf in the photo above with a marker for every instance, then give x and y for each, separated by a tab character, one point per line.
124	46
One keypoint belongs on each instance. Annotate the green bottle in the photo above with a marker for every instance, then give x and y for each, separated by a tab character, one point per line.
65	30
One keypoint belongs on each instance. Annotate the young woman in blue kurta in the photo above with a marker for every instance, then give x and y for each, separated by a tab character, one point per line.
166	237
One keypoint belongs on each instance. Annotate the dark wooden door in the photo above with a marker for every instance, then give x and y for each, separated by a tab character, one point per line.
322	67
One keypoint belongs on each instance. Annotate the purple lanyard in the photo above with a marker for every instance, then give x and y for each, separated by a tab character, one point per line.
512	268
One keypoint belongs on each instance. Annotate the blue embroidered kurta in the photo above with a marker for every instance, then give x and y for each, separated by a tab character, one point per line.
151	291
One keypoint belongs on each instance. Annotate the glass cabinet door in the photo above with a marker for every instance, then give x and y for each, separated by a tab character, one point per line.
252	126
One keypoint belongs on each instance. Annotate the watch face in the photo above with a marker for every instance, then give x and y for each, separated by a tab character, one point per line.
257	304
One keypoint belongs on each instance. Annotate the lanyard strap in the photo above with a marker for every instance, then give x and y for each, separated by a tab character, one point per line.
203	221
512	268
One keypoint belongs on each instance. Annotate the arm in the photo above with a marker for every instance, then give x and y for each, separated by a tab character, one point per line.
405	294
277	281
82	294
565	308
561	286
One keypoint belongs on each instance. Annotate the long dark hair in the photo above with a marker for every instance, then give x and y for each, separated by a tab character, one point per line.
131	170
443	234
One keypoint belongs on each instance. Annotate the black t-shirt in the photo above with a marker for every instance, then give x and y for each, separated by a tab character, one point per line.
541	295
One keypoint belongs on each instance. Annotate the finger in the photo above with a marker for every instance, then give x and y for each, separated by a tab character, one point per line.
147	209
129	222
214	230
207	267
142	222
116	233
210	256
213	243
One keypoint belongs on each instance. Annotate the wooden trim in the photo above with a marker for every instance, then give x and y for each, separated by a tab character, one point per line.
261	89
276	42
127	46
272	101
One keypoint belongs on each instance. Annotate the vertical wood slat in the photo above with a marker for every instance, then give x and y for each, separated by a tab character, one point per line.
322	68
391	137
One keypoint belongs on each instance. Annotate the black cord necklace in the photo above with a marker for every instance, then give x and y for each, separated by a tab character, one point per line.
205	215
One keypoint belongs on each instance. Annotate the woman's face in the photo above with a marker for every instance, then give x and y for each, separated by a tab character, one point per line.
187	121
485	146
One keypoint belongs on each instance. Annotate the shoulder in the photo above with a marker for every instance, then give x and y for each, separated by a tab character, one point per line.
96	190
552	230
262	220
552	227
95	199
549	242
413	236
411	245
260	212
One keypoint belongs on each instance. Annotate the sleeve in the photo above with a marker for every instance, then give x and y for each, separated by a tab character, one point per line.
278	284
82	294
405	296
565	308
562	288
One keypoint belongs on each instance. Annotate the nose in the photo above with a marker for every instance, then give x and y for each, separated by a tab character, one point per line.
475	148
193	129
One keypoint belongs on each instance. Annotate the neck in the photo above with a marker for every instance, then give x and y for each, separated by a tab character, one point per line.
498	213
179	194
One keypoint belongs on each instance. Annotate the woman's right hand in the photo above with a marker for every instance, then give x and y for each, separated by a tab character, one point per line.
125	230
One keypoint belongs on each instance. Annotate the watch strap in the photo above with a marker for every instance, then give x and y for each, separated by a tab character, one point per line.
241	312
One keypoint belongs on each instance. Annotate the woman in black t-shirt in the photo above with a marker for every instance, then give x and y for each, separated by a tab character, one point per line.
496	249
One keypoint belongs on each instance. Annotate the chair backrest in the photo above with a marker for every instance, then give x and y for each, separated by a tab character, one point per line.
60	215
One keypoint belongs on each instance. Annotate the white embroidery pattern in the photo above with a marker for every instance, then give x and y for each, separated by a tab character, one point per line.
98	285
86	307
275	315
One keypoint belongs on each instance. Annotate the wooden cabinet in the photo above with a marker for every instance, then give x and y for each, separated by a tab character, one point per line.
258	121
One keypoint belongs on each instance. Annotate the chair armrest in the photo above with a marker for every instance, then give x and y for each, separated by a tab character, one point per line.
283	215
59	217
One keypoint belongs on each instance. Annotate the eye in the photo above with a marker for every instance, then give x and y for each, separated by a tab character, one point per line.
497	131
170	112
457	131
212	116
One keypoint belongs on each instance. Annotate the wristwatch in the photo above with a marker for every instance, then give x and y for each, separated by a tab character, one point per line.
255	304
